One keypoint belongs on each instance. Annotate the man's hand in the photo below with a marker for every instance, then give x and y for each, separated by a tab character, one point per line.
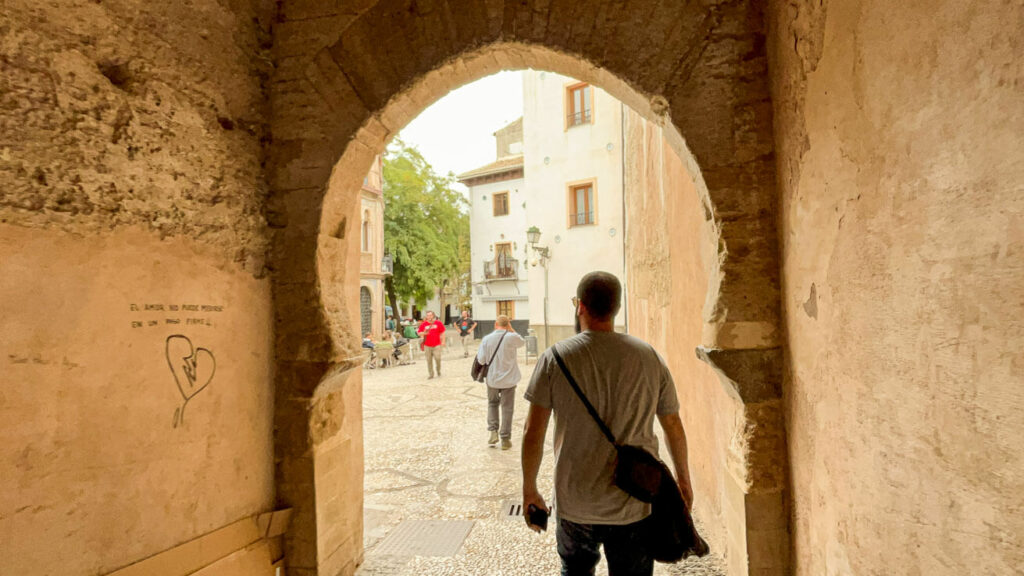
533	497
532	454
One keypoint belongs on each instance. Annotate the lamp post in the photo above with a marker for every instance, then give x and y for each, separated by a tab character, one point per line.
544	254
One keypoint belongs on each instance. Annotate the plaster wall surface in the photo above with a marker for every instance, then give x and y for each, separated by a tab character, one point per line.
555	158
101	468
486	230
131	170
901	164
667	282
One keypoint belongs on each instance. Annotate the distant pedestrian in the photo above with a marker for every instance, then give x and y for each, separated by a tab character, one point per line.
466	325
390	324
432	332
502	377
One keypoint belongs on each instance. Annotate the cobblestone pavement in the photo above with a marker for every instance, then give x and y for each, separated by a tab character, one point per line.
427	458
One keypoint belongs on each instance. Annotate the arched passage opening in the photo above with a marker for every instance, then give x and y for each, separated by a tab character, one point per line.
715	95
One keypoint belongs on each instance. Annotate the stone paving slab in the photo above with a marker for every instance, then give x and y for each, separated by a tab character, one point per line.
425	538
427	458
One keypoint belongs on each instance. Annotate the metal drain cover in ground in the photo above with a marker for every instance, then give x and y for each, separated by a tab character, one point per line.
513	510
425	538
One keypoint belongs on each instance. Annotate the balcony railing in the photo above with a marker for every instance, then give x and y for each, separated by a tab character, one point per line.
582	218
578	118
501	269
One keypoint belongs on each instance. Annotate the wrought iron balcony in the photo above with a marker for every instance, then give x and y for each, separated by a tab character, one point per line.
501	269
577	118
581	218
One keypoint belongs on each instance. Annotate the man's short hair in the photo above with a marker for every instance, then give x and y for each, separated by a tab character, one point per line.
503	321
601	292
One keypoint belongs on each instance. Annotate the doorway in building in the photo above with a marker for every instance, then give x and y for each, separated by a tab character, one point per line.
365	310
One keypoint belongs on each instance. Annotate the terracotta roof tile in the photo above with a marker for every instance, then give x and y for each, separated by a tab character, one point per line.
503	165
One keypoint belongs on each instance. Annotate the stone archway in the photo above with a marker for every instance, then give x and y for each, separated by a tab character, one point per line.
340	93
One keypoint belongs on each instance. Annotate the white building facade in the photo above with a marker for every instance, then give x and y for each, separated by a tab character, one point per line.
573	166
559	169
498	234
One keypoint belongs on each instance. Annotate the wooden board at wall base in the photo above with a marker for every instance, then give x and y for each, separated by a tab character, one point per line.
204	551
253	560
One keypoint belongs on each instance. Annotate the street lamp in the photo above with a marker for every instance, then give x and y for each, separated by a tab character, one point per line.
533	237
387	264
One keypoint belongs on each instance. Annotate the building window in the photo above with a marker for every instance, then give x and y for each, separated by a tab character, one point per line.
500	201
504	263
507	308
581	205
366	231
579	105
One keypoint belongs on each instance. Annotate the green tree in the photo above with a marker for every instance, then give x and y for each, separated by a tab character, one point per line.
426	228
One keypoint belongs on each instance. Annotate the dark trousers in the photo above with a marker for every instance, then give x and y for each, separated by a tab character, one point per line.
579	545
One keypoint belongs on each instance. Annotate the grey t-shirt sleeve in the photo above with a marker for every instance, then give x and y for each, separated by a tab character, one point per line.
539	390
515	340
668	401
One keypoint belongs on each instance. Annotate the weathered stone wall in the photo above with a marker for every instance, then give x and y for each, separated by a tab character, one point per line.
898	129
135	112
667	285
101	468
735	440
131	175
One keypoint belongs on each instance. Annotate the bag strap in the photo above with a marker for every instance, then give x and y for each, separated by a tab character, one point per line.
497	347
590	407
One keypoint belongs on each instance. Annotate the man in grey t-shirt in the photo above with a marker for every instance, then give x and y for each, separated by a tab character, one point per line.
629	385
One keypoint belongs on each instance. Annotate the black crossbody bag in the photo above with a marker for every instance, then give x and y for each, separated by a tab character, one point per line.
479	371
672	535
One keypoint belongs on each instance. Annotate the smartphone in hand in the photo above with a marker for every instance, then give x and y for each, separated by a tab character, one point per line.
537	517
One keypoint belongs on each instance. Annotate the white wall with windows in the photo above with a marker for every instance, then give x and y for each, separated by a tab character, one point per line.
498	245
573	166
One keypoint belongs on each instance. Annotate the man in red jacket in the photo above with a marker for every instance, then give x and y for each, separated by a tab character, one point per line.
432	332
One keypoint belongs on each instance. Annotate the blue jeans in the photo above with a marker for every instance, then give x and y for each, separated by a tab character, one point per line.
579	545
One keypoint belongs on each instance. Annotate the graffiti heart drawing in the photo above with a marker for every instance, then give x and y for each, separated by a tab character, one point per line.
192	369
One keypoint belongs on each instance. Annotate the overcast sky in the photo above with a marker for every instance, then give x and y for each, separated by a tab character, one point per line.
456	132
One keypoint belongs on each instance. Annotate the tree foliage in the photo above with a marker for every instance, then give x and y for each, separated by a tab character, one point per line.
426	226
